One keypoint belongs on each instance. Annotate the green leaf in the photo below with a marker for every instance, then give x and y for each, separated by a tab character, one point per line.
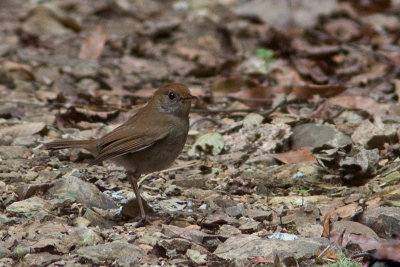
72	194
265	54
212	143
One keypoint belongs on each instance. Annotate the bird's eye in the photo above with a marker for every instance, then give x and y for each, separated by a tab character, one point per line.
171	95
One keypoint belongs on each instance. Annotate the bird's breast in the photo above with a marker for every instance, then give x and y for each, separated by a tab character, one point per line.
159	155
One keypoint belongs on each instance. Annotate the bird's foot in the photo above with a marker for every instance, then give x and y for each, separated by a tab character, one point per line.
143	221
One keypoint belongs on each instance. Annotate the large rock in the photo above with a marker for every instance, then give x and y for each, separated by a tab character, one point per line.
124	253
283	14
29	190
353	228
385	221
84	192
28	206
243	248
317	135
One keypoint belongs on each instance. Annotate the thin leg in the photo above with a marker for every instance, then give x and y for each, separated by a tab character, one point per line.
132	179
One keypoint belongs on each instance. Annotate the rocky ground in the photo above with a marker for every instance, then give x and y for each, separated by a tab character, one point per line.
293	153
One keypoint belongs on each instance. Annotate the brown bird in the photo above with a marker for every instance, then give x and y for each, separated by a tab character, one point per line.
149	141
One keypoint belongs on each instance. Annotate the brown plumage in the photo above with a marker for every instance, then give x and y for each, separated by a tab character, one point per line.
149	141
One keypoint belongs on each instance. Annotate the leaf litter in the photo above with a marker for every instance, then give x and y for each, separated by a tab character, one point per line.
295	133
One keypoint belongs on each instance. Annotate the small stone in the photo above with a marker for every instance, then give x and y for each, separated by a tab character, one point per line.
228	230
196	256
28	190
126	254
4	220
260	215
4	252
40	259
96	220
317	135
173	190
310	229
252	120
353	198
30	176
81	222
236	211
48	176
84	192
2	187
14	152
250	226
178	244
5	140
283	236
25	140
203	206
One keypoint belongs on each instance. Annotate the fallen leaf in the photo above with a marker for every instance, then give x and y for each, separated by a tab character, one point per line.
255	96
304	92
226	85
93	46
311	69
295	156
378	70
25	129
355	102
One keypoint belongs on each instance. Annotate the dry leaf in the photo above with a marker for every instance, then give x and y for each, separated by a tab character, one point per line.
255	96
25	129
354	102
304	92
295	156
94	44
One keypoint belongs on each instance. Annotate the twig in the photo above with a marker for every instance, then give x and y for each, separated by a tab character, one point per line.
167	170
324	251
266	113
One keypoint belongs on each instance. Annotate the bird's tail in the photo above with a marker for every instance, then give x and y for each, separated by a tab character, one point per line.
61	144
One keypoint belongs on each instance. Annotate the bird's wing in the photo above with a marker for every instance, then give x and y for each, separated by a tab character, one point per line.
127	139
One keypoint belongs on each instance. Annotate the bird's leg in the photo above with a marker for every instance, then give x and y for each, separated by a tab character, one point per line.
133	180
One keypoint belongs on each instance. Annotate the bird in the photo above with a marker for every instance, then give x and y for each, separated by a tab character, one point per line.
147	142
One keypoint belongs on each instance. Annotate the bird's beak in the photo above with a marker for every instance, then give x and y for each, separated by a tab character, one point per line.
189	98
